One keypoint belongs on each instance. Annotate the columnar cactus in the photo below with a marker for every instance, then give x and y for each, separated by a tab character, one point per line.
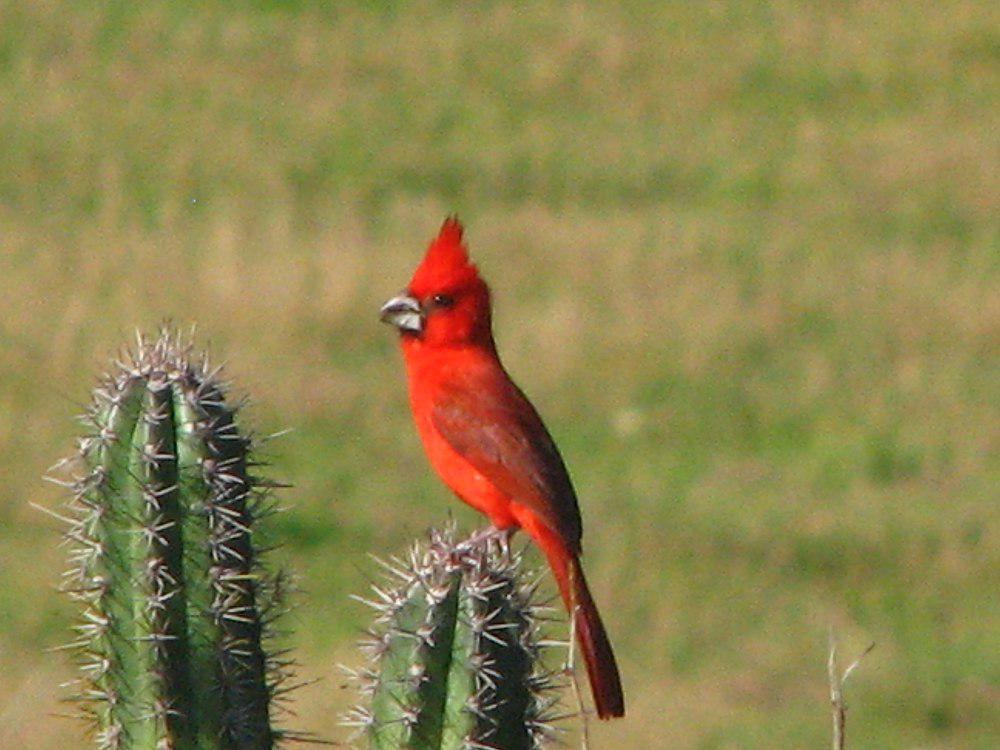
455	653
166	562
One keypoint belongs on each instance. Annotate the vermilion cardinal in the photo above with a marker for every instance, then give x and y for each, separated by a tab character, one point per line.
485	439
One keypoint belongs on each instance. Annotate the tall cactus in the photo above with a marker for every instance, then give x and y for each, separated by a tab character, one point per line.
455	653
166	562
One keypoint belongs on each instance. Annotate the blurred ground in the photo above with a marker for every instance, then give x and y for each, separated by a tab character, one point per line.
745	260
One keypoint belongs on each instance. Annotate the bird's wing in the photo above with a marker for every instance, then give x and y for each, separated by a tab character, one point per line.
486	418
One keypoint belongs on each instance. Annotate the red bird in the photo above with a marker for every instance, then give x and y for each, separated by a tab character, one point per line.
485	439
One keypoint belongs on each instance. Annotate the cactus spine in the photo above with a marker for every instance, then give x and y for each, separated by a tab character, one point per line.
166	563
455	653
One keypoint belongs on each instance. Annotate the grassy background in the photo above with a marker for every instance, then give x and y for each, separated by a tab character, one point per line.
745	258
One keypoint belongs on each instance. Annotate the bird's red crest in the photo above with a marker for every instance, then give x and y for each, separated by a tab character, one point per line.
446	264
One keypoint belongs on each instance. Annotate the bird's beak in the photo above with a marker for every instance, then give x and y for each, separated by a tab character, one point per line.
403	312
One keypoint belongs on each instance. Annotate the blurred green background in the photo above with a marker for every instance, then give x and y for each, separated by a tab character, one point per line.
745	262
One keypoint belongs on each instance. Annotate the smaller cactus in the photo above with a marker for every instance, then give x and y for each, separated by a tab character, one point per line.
166	562
455	653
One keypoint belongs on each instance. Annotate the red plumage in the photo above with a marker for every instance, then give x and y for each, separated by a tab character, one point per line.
485	439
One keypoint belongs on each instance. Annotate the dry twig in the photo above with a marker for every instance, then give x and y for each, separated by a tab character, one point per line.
837	679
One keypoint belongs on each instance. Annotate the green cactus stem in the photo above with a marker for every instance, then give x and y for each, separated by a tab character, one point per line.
166	562
455	653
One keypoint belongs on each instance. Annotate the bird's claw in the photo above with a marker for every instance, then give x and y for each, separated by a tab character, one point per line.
489	535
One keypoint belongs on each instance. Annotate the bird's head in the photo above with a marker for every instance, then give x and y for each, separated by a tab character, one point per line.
446	302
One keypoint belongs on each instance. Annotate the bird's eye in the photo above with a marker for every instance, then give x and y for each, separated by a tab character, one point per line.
443	300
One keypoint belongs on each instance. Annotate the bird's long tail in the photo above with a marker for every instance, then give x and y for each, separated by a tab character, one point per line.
602	669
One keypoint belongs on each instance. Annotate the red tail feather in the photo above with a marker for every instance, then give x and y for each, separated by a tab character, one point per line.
602	668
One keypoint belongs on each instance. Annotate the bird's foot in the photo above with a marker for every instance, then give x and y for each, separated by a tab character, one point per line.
492	534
